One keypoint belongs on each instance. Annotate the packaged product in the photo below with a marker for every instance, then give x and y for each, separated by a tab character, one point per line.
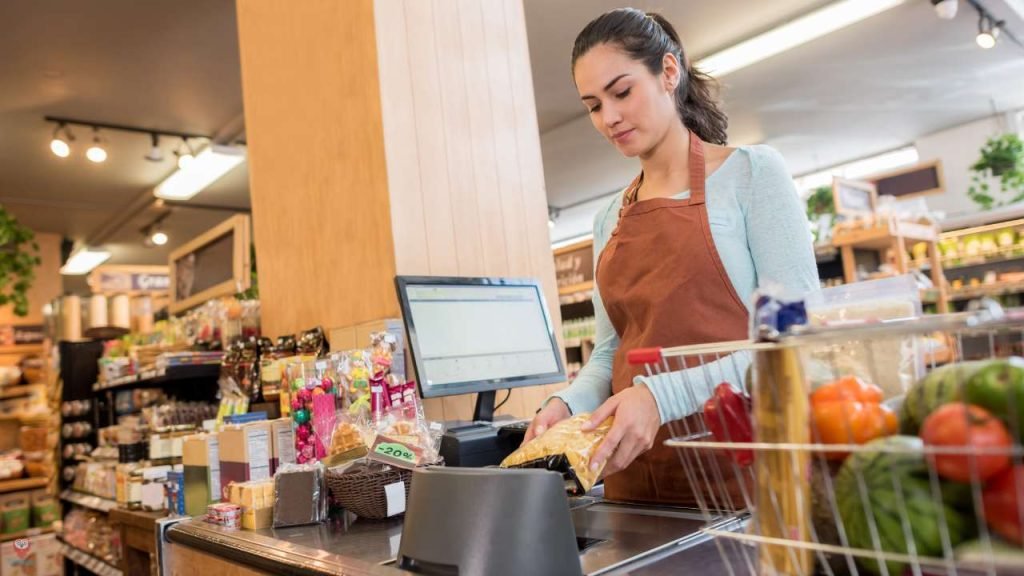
564	448
300	495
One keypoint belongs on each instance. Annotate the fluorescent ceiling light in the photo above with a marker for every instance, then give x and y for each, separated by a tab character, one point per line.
792	34
83	261
865	167
207	167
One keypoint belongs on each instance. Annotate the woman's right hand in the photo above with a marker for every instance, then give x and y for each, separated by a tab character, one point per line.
554	412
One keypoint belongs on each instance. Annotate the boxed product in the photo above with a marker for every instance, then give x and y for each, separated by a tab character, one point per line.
15	510
201	459
257	502
174	491
153	480
282	444
45	509
300	495
37	556
244	453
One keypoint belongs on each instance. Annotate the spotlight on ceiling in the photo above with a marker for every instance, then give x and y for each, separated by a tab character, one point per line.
60	144
946	9
96	153
155	153
988	32
159	238
553	214
185	154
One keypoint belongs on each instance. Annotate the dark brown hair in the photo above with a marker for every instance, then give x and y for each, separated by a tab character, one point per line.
647	37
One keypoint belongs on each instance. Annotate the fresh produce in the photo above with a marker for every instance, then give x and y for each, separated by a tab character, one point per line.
849	411
941	386
999	388
888	463
970	428
1003	499
727	415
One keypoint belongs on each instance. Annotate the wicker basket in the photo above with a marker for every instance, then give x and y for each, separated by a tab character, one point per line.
361	491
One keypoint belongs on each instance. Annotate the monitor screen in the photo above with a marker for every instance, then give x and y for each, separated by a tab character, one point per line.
478	334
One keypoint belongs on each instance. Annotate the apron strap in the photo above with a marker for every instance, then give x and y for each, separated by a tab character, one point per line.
696	169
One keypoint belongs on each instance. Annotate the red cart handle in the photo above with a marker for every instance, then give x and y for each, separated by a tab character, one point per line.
640	356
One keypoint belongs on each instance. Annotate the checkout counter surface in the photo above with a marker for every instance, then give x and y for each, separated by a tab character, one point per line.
619	539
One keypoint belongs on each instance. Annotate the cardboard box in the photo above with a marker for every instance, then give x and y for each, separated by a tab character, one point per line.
244	453
201	459
15	511
257	509
45	510
38	555
282	443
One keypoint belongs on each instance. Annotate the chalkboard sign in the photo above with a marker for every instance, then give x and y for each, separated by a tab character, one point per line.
574	267
921	179
214	264
853	197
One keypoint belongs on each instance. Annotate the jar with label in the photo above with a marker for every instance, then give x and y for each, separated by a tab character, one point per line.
135	482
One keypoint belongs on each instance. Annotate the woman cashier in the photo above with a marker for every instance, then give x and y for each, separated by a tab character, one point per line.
679	252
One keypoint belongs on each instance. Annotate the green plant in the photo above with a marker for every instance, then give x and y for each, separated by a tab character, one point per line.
19	257
1002	157
820	202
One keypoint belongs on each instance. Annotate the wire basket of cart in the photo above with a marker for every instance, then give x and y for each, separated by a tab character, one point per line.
803	464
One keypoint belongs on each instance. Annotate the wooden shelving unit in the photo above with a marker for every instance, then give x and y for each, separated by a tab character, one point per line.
22	484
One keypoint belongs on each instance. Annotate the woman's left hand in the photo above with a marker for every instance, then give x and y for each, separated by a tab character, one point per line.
636	424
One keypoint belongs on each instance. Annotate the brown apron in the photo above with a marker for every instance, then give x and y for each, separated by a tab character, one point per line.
663	285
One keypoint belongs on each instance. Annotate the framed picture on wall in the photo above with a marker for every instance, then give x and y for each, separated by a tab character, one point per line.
214	264
854	197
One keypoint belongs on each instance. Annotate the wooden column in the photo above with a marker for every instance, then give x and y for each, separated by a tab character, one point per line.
390	136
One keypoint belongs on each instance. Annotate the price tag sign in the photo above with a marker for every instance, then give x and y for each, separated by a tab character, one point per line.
396	453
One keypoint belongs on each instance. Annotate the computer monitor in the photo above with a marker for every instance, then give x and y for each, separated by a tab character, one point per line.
478	335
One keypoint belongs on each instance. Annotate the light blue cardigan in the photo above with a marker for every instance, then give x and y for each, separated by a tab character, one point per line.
761	233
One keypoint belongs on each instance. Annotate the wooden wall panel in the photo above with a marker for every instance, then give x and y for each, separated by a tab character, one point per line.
321	213
478	180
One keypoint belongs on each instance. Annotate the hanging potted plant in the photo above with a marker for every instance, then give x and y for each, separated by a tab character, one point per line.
820	203
19	257
1002	157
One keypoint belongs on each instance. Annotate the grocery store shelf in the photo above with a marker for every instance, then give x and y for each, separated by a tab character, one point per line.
990	290
22	484
22	349
26	533
172	375
88	501
26	418
88	561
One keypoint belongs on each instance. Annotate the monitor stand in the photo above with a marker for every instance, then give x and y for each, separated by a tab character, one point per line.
478	443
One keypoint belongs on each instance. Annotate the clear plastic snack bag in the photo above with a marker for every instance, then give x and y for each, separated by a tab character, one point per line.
564	448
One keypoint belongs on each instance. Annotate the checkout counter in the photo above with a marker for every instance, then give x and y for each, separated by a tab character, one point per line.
614	539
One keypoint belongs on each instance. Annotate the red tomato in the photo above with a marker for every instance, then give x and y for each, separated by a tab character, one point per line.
1003	504
969	427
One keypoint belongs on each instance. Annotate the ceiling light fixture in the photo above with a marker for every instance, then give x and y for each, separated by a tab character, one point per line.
553	214
185	158
946	9
988	32
207	167
83	261
155	153
159	238
60	145
96	153
821	22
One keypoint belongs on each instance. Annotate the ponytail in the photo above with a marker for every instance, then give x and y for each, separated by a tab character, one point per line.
647	38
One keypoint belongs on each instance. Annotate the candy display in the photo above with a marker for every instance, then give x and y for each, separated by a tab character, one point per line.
313	393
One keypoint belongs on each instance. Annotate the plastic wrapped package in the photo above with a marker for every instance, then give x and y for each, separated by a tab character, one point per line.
564	448
300	495
892	363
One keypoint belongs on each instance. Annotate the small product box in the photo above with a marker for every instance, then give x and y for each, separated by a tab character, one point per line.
201	459
174	491
15	511
244	453
257	502
282	443
45	510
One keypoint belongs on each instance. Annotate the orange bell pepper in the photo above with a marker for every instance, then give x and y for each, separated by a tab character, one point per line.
849	411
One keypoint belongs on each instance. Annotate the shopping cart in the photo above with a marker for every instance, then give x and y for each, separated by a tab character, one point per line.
811	491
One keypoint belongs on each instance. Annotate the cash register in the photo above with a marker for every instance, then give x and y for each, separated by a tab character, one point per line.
478	335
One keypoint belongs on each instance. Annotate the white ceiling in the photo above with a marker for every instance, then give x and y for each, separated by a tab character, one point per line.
175	66
877	85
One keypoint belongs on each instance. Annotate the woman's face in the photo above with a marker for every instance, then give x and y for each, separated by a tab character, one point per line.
627	104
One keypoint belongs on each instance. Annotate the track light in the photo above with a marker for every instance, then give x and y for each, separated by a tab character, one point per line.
159	237
946	9
96	153
988	31
60	144
155	153
185	157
